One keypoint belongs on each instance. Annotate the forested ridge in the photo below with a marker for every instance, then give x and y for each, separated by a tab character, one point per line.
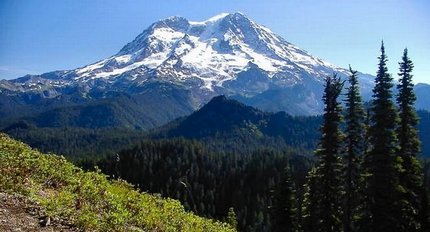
270	130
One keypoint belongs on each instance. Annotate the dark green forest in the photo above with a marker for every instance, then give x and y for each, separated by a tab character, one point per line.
209	183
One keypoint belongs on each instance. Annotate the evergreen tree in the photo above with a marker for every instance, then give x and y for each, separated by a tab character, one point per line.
355	145
284	209
232	218
412	176
310	202
381	165
328	197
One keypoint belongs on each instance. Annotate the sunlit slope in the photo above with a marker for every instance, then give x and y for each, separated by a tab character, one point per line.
88	199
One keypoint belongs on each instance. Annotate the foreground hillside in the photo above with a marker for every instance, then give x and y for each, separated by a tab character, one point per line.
88	200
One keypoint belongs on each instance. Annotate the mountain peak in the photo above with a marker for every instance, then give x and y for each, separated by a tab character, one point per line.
213	19
223	105
218	100
174	22
218	17
238	15
220	114
173	18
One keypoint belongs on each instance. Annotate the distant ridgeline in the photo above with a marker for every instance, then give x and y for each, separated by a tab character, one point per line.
222	125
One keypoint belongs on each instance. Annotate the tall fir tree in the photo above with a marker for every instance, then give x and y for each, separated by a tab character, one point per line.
381	164
284	209
355	147
412	176
329	169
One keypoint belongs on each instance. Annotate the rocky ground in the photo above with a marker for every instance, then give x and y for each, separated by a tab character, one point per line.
19	214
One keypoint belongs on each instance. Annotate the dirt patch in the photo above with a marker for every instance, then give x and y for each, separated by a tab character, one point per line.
19	214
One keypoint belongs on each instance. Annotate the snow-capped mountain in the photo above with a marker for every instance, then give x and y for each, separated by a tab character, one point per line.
212	51
227	54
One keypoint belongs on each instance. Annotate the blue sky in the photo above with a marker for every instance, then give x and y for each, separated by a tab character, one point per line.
38	36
